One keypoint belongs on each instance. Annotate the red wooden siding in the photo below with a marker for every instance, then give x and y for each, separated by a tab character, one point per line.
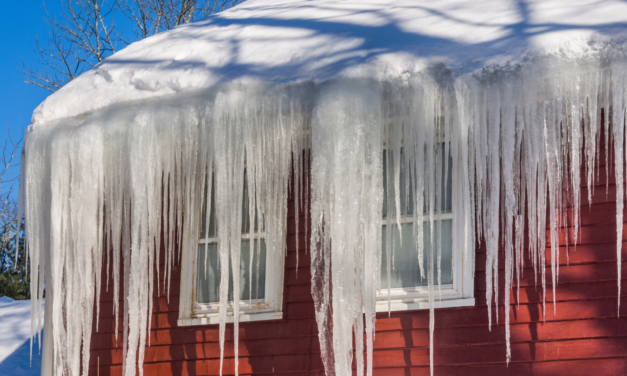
584	337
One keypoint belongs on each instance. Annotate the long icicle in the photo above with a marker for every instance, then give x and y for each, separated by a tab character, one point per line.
517	137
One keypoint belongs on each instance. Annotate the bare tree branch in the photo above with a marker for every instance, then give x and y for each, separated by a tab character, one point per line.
85	33
9	231
79	38
14	277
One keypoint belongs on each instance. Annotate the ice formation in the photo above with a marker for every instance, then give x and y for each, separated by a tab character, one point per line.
121	182
323	94
107	188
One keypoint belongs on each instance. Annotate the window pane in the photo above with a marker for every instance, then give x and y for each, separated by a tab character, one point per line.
405	269
212	215
259	270
208	282
246	210
208	285
407	190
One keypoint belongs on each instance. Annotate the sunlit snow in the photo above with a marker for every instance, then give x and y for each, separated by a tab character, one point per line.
16	357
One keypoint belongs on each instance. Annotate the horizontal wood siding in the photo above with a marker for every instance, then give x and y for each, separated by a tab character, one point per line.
580	335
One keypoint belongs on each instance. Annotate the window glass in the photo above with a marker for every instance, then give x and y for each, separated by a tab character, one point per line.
208	288
407	191
405	272
208	280
212	216
405	269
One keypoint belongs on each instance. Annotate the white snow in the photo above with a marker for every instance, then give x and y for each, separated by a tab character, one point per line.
15	333
316	40
513	91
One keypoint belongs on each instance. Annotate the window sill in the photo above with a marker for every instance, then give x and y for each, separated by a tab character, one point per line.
243	317
416	304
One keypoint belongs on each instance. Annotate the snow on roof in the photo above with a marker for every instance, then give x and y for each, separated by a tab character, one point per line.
15	358
301	40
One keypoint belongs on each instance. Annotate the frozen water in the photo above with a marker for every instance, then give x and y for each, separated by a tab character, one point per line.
112	187
149	165
124	175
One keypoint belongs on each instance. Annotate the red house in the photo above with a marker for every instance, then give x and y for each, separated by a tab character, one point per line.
395	188
585	336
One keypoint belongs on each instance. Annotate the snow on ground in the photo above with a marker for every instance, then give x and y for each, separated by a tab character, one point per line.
14	339
300	40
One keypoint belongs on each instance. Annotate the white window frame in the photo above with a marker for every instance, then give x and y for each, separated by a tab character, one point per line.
270	308
461	293
458	294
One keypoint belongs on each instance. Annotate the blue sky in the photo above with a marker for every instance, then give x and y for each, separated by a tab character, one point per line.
21	22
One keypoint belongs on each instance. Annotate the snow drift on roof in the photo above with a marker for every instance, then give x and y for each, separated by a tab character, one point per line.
302	40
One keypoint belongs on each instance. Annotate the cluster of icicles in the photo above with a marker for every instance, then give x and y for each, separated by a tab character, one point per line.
106	189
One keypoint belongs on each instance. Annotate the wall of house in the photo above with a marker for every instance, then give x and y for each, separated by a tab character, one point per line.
583	337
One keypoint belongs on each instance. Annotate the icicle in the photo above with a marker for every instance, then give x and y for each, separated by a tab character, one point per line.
508	142
346	213
617	114
123	177
148	170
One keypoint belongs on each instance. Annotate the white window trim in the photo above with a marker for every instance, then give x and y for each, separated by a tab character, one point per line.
458	294
269	308
192	313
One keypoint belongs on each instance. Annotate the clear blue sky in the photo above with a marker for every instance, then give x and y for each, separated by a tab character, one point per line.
21	22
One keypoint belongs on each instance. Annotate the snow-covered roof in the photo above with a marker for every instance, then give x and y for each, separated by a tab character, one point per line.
300	40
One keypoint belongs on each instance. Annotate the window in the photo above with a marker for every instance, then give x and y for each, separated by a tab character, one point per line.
261	282
408	286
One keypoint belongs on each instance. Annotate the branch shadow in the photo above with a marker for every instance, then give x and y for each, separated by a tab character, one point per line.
299	41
